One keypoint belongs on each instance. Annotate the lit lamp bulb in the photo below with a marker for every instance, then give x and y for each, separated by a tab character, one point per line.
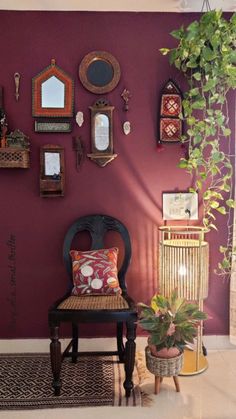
182	270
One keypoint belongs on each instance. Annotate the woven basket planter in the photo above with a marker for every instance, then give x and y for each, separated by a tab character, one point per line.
163	367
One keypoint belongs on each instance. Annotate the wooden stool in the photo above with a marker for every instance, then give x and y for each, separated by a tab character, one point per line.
158	381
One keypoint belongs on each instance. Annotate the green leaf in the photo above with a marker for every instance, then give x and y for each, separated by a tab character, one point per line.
225	263
226	131
197	76
221	210
214	204
183	164
178	33
208	54
199	104
164	51
199	184
230	203
222	249
194	92
209	85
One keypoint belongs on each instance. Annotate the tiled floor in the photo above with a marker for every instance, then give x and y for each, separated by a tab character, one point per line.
210	395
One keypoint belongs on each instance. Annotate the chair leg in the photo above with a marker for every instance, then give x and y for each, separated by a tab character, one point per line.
129	356
55	354
75	337
120	344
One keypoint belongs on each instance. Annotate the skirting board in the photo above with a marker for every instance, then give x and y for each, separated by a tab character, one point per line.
42	345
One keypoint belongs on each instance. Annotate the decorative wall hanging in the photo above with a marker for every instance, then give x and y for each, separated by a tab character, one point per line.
170	124
180	206
126	127
126	97
17	85
79	118
99	72
14	147
53	99
80	151
14	151
52	171
102	133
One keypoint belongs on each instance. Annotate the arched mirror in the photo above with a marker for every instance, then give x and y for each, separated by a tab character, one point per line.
99	72
52	97
102	133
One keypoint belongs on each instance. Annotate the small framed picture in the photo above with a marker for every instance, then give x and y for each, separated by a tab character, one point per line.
180	206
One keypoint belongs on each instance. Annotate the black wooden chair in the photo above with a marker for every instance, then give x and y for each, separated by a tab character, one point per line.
119	309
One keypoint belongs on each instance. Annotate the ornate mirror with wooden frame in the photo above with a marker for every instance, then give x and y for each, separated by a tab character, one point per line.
52	171
102	133
99	72
52	99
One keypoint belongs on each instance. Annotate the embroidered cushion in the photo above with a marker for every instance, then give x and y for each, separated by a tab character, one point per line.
95	272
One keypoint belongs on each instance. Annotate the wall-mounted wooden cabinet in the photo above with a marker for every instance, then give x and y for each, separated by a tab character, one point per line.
52	171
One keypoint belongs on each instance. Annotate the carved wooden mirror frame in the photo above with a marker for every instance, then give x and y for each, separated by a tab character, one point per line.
99	72
102	147
52	124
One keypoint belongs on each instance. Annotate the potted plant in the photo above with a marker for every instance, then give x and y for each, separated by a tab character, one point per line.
206	56
171	322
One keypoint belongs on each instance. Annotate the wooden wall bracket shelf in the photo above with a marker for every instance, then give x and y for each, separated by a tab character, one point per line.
103	160
14	158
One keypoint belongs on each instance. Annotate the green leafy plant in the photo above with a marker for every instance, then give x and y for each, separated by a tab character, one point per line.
170	322
206	55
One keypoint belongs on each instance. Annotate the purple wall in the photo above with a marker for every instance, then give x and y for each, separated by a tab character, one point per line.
32	228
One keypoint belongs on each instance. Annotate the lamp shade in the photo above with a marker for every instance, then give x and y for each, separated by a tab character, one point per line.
183	261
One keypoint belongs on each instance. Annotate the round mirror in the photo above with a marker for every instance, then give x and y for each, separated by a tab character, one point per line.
101	138
99	72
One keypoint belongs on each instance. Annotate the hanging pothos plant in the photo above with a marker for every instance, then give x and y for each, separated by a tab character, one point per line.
206	54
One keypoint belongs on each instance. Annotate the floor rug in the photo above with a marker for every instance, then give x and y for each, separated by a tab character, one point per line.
25	383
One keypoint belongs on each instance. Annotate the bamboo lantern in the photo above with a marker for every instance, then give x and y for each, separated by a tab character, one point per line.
184	265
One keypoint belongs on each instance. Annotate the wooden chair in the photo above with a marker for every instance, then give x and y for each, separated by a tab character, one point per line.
109	309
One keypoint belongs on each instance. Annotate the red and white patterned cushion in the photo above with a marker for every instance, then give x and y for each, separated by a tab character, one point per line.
95	272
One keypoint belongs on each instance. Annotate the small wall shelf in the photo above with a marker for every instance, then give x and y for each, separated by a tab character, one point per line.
14	158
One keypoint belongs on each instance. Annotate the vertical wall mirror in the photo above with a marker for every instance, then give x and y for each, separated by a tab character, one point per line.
52	99
102	133
52	171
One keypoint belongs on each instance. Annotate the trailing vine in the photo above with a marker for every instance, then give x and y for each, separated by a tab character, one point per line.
206	55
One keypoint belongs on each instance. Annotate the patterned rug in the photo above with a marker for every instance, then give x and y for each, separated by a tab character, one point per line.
25	383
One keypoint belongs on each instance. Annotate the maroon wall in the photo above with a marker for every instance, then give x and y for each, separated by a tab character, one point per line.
32	228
